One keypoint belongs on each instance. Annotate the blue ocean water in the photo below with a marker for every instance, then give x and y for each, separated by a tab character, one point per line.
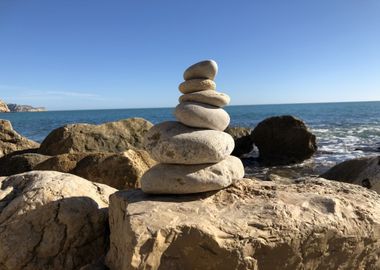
343	130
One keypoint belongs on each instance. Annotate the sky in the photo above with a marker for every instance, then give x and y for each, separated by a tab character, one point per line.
92	54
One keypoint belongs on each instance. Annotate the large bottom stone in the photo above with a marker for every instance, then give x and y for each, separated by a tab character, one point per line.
311	224
183	179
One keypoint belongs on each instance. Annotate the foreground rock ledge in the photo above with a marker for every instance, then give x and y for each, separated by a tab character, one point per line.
312	224
52	220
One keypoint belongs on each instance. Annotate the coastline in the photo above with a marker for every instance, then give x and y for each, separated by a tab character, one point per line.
106	163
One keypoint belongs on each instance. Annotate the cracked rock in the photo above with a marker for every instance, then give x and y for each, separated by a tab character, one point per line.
310	224
110	137
11	141
52	220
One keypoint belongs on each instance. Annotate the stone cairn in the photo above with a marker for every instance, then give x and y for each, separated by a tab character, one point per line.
193	153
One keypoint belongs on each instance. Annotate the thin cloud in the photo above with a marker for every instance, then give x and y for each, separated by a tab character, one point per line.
72	94
17	92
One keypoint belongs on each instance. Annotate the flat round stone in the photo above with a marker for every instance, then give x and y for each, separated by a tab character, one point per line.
201	115
184	179
202	70
172	142
196	85
209	97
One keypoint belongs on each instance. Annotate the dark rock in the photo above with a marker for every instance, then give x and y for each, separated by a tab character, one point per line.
85	138
283	140
242	138
19	163
361	171
98	265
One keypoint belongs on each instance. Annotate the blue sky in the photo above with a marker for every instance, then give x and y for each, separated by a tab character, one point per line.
92	54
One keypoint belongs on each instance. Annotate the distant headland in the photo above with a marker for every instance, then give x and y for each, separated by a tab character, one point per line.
19	108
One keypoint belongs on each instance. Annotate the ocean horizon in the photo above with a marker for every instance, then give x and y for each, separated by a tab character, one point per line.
344	130
237	105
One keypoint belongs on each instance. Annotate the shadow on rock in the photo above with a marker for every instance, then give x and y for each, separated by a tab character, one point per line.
64	234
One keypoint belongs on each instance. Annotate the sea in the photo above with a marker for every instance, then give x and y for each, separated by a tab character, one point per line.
344	130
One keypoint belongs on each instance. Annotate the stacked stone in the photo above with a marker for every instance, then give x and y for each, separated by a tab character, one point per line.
193	153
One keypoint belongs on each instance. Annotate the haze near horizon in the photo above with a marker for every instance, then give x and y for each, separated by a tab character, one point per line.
132	54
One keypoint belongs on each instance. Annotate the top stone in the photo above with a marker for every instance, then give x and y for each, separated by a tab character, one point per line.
202	70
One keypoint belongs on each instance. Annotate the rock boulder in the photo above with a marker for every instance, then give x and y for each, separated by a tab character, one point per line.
119	170
362	171
3	107
312	224
109	137
11	141
283	140
51	220
243	140
17	162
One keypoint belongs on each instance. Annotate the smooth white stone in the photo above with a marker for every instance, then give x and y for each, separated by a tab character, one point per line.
196	85
200	115
202	70
209	97
173	142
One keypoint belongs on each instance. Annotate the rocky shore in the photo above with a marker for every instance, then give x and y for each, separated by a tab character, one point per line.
3	107
19	108
25	108
82	198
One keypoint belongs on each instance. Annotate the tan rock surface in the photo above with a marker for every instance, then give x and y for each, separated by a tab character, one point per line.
109	137
50	220
121	171
312	224
65	163
196	85
11	141
118	170
361	171
206	69
210	97
3	107
172	142
200	115
184	179
5	124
